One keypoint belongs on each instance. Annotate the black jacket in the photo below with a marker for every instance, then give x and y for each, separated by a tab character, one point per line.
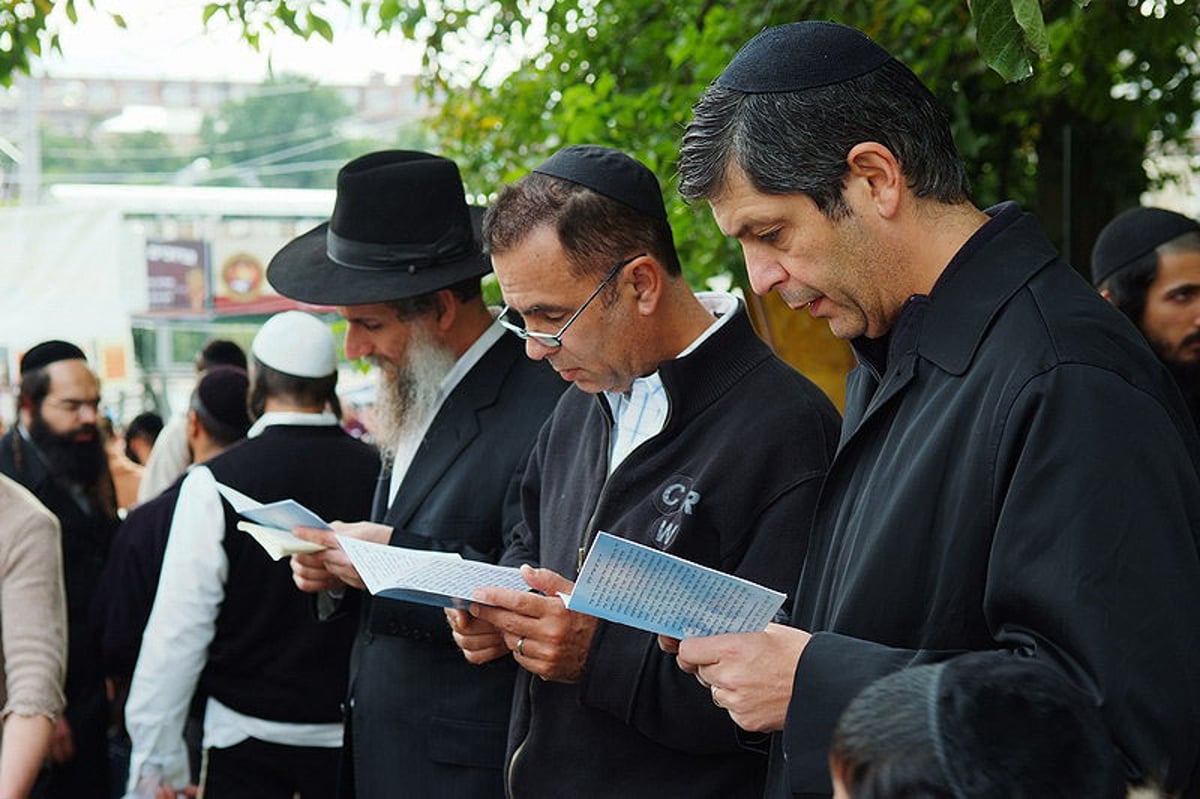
422	720
1021	475
747	441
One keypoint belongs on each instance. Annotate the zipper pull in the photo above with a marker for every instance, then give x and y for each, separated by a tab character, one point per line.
579	561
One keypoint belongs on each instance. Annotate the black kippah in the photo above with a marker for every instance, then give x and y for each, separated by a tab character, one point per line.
802	55
46	353
609	172
1132	237
221	395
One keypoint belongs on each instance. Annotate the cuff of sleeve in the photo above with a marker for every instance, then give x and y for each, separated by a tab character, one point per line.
30	710
832	671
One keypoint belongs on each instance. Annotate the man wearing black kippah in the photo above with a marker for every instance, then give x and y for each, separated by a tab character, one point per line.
1016	471
1146	262
55	450
649	443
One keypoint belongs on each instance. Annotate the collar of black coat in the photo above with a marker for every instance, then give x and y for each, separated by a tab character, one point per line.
977	283
708	372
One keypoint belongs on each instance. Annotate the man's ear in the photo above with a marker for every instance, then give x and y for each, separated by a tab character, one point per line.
647	278
193	424
874	174
445	310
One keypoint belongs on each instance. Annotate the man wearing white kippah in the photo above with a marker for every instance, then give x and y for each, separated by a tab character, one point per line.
226	619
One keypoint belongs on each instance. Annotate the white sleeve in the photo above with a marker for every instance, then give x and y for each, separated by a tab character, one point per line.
181	627
168	458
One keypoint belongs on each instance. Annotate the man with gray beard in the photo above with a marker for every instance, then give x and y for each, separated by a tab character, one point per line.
457	411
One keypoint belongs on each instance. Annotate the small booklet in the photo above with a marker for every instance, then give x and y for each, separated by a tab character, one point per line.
444	579
639	586
271	524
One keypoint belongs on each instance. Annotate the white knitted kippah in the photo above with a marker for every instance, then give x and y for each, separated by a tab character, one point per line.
296	344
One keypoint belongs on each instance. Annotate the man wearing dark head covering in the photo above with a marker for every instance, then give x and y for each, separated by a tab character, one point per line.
1146	262
55	450
649	443
1015	472
170	455
140	435
216	419
456	413
984	725
226	619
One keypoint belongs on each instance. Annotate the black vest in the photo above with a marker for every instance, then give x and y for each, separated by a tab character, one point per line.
270	657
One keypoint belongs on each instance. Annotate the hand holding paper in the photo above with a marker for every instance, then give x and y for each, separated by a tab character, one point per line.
480	641
332	568
443	579
545	638
271	524
749	674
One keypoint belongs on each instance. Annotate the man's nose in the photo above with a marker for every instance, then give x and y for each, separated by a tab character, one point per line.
356	345
538	351
764	273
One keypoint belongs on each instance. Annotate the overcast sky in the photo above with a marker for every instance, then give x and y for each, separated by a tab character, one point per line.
166	39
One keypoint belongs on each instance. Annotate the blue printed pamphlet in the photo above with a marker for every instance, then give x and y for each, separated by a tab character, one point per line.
639	586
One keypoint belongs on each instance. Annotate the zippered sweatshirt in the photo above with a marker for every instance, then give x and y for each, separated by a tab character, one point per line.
731	482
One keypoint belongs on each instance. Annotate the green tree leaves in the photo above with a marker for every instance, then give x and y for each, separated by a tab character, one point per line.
1008	32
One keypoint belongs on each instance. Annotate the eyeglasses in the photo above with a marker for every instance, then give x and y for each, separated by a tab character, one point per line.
74	406
512	321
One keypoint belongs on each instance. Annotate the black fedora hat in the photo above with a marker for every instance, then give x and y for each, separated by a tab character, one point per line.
400	227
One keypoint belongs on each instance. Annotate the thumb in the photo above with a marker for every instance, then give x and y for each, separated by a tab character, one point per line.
316	535
549	582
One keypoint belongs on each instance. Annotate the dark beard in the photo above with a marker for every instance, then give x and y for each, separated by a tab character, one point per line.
82	463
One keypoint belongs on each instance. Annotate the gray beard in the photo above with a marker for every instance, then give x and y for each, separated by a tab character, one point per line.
404	404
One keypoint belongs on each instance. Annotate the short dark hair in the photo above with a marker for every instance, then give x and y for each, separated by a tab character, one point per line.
310	391
1129	286
222	434
220	352
595	231
981	724
35	386
411	307
148	424
797	142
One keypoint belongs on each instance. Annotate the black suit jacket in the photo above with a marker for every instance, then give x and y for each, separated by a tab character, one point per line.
422	721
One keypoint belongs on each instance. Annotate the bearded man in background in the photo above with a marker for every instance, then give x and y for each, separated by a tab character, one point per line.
56	451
